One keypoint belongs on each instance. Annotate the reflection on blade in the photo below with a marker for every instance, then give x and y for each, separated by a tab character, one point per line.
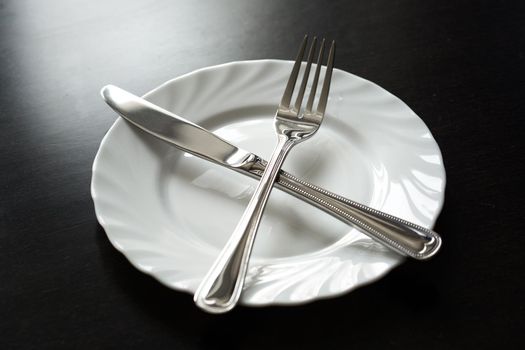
173	129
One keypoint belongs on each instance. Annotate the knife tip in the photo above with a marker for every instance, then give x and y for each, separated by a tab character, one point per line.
106	92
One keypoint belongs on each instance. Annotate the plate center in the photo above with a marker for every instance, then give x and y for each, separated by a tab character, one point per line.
206	200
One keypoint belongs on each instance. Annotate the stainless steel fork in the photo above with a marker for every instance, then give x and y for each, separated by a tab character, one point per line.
221	288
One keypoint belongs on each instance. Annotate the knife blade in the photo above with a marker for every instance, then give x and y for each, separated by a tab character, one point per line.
397	234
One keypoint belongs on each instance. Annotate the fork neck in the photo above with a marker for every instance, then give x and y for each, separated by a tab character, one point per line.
284	143
293	133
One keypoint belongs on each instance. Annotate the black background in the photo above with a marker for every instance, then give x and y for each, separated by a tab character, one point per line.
458	64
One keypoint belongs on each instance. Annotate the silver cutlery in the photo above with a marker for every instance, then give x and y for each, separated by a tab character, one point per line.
221	288
402	236
395	233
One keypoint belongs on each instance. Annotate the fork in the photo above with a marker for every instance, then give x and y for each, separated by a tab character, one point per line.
221	288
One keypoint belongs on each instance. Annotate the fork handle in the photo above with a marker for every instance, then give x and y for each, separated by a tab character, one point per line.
400	235
220	290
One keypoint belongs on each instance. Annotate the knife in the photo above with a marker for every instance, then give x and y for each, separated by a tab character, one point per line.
395	233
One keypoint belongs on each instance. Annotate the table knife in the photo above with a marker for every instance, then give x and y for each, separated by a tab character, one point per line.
395	233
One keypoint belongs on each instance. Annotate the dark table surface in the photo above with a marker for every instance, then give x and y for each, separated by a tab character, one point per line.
460	65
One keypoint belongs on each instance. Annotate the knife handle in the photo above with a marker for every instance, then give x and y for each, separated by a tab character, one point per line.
400	235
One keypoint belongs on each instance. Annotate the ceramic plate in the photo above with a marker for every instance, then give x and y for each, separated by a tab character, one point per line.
171	213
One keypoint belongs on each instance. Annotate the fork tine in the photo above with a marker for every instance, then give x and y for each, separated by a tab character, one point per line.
313	90
300	95
321	106
287	96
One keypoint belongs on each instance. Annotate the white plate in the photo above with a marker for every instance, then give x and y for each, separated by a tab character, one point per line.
171	213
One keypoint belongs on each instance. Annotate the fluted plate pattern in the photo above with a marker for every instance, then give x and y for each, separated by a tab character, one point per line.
171	213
